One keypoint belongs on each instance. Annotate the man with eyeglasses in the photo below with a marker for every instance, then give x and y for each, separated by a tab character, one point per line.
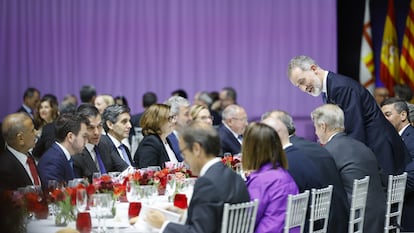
180	108
231	130
96	157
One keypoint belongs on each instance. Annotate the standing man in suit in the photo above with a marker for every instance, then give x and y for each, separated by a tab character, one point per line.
354	160
231	129
363	118
215	186
31	99
96	157
17	166
181	108
71	137
397	113
117	124
339	213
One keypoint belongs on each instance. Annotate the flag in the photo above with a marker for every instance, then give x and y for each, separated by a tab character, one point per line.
389	68
407	51
366	65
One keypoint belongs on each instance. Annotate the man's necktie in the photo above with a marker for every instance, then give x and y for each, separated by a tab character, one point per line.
324	97
175	147
240	137
99	161
124	154
33	170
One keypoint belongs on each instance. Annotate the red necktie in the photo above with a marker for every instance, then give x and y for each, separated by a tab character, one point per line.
33	170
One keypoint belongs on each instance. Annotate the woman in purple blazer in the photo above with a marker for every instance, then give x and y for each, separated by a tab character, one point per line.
268	180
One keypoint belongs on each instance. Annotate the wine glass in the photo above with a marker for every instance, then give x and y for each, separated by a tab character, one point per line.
147	193
52	185
81	200
171	185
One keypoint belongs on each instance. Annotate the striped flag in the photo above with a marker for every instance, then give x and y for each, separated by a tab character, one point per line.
389	69
407	51
366	66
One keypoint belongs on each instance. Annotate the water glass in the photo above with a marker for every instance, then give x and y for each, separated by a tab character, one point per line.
84	222
81	200
134	209
171	185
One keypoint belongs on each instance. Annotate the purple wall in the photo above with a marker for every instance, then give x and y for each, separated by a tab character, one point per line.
129	47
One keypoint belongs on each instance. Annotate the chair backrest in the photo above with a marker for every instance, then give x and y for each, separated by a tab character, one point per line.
239	218
358	202
320	206
395	200
296	211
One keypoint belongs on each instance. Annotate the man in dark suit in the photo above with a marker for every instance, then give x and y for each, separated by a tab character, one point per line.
96	157
71	137
363	118
231	130
180	107
354	160
17	166
215	186
31	99
397	113
338	217
117	124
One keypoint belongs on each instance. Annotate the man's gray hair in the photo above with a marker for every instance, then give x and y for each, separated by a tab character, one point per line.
111	114
303	62
175	102
330	114
284	117
230	111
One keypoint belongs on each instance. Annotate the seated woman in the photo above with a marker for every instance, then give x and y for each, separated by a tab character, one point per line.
47	112
155	149
268	180
201	113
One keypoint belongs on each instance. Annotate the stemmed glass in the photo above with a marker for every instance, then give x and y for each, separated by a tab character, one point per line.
171	186
100	204
81	200
52	185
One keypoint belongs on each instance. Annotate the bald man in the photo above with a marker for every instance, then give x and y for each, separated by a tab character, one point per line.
17	167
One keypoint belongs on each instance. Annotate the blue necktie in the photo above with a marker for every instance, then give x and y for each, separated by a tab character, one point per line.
99	161
324	97
240	137
175	147
124	154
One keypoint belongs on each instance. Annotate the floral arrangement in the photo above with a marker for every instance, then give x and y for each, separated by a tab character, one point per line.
13	212
106	184
65	200
149	177
232	162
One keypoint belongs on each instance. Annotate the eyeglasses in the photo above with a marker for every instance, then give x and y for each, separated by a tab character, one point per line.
172	118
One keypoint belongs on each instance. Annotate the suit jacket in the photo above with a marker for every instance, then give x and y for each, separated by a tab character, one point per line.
407	222
12	173
85	166
355	160
47	138
54	166
218	186
323	160
228	142
365	122
22	109
110	146
175	146
151	152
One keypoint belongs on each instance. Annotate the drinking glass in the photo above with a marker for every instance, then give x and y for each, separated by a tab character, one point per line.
95	178
84	222
171	185
148	193
100	205
81	200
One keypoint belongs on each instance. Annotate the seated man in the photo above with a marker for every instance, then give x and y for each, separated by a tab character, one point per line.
215	186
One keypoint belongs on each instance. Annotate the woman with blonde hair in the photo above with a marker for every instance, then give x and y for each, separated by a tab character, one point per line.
103	101
201	113
157	123
269	180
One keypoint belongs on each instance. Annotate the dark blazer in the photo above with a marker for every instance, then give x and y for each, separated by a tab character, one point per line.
85	166
339	213
110	146
12	173
175	146
47	138
407	222
22	109
228	142
218	186
303	170
365	122
151	152
54	166
355	160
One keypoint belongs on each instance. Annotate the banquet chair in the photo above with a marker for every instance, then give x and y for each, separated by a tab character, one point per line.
240	217
395	200
296	211
358	203
319	209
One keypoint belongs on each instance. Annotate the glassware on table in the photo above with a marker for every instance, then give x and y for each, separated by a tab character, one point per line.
95	178
148	193
153	168
100	205
52	186
81	200
84	222
171	186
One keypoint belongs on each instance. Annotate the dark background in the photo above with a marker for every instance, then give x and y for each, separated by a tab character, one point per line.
350	21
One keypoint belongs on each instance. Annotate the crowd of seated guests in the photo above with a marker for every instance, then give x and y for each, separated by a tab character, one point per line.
99	136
